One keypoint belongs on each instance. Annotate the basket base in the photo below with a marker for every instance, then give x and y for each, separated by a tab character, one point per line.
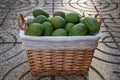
59	73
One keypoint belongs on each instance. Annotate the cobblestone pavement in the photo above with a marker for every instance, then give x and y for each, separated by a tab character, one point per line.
13	60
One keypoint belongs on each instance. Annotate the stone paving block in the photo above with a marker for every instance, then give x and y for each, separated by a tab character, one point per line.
109	9
119	44
14	70
6	1
6	6
11	33
117	1
52	1
3	13
94	74
10	50
8	36
28	1
24	7
76	8
106	37
117	39
61	1
108	1
1	21
117	21
117	72
105	1
113	26
110	15
27	11
108	48
11	56
112	21
77	1
102	72
116	33
107	54
8	24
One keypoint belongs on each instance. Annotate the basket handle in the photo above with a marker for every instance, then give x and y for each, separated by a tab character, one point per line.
21	21
100	19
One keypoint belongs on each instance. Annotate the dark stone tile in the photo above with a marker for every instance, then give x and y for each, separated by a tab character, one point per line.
108	53
103	28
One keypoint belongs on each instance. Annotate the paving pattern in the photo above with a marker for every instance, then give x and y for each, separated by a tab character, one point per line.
13	60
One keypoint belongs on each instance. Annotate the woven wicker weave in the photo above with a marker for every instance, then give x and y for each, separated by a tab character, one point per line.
59	62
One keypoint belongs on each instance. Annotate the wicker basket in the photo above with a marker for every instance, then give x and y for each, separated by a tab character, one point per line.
67	55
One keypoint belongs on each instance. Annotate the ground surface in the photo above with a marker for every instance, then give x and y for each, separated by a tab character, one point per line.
13	60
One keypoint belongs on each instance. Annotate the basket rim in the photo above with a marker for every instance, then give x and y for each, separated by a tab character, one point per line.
59	38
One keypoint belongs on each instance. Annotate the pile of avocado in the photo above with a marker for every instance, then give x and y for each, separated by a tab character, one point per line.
61	24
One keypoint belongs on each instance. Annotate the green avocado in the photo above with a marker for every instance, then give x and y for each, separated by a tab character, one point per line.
37	12
92	24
